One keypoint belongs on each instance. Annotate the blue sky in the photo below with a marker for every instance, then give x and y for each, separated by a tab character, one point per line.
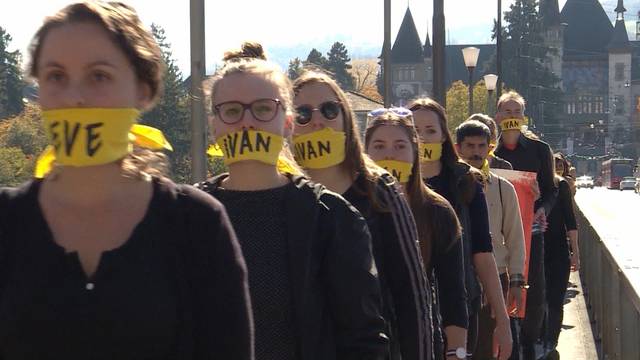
289	28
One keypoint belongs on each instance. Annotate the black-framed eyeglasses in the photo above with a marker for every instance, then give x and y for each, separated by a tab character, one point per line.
329	110
231	112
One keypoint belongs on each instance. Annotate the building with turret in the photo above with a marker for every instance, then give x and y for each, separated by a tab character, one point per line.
596	62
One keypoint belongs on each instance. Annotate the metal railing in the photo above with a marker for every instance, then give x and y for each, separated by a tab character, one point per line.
613	303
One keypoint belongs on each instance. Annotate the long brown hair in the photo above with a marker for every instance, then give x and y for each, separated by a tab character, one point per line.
464	190
356	161
422	199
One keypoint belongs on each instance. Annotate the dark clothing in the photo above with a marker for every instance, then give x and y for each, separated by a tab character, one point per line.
561	219
474	219
496	162
258	217
557	259
405	289
177	289
536	299
533	156
334	287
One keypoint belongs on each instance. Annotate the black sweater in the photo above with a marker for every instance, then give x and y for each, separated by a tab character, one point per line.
177	289
335	290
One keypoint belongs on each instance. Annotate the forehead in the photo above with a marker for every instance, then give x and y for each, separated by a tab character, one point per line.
389	133
245	87
476	140
425	117
78	44
510	105
313	92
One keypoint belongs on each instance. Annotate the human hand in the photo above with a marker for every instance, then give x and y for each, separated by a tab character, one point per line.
541	218
515	297
502	341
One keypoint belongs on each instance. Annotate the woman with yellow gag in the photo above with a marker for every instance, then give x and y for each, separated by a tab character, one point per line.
457	182
327	145
391	138
314	290
103	256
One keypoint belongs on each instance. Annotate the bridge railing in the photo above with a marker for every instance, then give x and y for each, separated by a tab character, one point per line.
613	303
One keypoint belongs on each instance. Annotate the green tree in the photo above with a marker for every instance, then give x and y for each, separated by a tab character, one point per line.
338	63
295	68
15	166
11	82
523	67
171	114
24	131
316	58
458	102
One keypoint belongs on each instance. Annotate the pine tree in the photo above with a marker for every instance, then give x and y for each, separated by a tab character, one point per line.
171	114
316	58
338	63
295	68
11	82
523	67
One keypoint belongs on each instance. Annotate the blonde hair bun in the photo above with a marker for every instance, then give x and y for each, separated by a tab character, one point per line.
248	51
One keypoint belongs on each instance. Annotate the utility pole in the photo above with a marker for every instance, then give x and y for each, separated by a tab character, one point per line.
198	66
439	52
386	54
499	50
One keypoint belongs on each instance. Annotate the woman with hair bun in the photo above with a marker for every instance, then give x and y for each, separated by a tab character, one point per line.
313	282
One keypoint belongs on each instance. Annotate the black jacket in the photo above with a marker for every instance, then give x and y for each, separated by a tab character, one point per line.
533	156
335	287
405	288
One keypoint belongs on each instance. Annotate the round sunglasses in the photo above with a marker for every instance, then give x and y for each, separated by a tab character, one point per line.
329	110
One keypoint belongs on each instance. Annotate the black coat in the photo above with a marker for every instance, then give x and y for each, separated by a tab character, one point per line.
335	287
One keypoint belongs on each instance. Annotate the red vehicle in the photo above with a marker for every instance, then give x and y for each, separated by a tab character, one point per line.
614	170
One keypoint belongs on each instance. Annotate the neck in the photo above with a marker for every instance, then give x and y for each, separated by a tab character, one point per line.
510	137
88	186
253	175
430	169
335	178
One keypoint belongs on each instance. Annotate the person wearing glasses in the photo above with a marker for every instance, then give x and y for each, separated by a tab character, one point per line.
461	185
391	140
325	119
105	257
312	278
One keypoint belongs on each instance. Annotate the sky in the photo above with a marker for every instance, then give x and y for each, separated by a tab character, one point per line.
288	28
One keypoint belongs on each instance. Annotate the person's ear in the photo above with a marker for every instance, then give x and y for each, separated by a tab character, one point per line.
492	146
288	125
144	96
457	146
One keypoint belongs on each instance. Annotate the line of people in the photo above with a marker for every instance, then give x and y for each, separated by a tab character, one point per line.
314	245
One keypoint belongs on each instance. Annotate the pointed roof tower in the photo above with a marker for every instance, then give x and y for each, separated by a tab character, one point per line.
588	30
427	50
407	48
620	38
550	13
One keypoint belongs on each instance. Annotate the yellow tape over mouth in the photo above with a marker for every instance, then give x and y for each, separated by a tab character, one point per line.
320	149
94	136
401	170
512	124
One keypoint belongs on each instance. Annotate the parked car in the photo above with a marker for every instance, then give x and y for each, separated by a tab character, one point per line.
628	183
584	182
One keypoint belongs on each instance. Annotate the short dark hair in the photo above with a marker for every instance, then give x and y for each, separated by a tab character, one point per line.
472	128
487	120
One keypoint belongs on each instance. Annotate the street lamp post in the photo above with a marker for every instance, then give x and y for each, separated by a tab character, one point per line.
490	81
470	55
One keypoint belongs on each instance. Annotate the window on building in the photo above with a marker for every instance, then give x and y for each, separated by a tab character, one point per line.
406	74
400	73
413	74
619	76
619	105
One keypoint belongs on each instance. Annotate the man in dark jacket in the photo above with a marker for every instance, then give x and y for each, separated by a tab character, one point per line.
528	154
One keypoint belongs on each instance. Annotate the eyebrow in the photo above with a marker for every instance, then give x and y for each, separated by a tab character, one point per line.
95	63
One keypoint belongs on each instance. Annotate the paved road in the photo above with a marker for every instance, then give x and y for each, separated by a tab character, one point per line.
615	215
